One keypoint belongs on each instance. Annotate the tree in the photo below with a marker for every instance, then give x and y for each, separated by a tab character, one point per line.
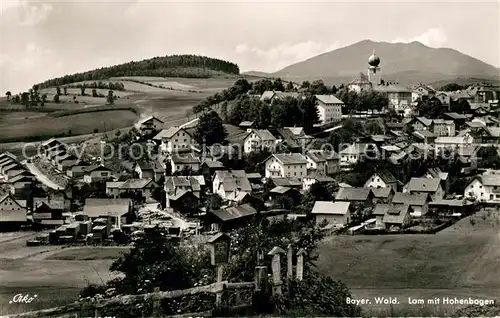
460	106
452	87
334	89
290	87
430	107
56	99
318	87
65	91
310	115
262	85
110	99
214	202
25	99
94	93
278	85
210	129
82	90
8	94
489	157
305	84
58	91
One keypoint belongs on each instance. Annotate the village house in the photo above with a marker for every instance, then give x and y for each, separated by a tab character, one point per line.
208	168
329	108
183	201
144	187
399	97
230	183
458	119
452	143
51	145
430	186
149	125
286	165
425	136
116	211
443	128
293	183
335	214
13	212
397	216
182	162
378	212
144	170
420	123
228	218
382	179
437	173
174	139
383	195
294	138
258	140
323	161
194	184
316	177
355	195
444	98
245	125
421	91
418	203
356	152
47	212
279	193
96	173
18	183
484	188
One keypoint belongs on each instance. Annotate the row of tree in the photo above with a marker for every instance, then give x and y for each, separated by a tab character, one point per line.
118	86
31	98
168	66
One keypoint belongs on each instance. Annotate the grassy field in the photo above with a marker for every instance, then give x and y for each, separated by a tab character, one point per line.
78	124
88	253
461	260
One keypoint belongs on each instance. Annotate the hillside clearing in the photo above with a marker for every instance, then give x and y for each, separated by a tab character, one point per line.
79	124
457	260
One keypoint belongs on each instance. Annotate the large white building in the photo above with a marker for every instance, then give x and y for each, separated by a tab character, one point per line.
286	165
174	139
329	108
258	140
485	188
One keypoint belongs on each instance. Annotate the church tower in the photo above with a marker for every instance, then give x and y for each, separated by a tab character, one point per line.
374	70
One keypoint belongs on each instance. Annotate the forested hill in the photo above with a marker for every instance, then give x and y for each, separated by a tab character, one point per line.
190	66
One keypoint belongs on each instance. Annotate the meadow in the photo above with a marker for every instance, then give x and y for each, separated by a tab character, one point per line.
459	261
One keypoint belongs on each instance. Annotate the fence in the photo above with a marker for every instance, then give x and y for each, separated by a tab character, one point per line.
221	289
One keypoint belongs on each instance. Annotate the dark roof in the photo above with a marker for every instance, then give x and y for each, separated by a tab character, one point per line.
236	212
396	214
95	167
286	182
387	176
382	192
424	184
353	194
411	199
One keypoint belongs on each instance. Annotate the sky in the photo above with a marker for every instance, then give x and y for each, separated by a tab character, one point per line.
41	39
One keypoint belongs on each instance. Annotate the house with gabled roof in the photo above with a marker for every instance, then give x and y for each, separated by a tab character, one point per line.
452	143
420	123
418	202
19	182
378	212
436	172
443	128
13	212
194	184
484	188
358	195
431	186
397	215
258	140
174	139
228	218
316	177
224	183
96	173
286	165
382	179
335	214
383	195
148	125
117	211
184	161
323	161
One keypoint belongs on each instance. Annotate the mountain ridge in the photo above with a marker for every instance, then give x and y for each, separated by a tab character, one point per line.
408	63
